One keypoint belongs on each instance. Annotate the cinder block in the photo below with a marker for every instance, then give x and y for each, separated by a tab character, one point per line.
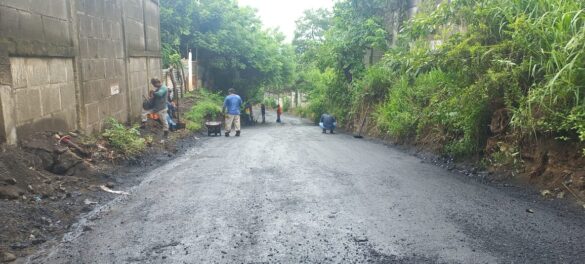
100	69
99	9
90	93
5	74
68	99
20	4
41	7
119	67
97	26
83	47
50	99
9	22
69	71
139	81
57	71
105	111
135	35
151	11
30	26
103	87
28	105
154	65
135	103
117	31
84	25
110	69
117	103
153	40
112	47
88	7
56	31
93	69
93	48
58	9
107	28
118	49
85	68
100	48
37	71
18	72
133	9
92	113
138	64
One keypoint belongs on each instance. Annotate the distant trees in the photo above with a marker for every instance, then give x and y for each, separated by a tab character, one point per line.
229	42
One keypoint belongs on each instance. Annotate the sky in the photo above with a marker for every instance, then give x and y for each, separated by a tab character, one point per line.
284	13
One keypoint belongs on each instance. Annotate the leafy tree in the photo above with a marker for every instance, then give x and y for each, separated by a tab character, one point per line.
230	45
311	28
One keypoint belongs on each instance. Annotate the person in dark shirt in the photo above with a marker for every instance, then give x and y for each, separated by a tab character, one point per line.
159	105
328	122
263	111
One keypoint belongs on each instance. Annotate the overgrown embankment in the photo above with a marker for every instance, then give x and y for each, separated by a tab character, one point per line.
499	82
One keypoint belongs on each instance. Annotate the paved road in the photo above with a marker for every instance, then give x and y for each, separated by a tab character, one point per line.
289	194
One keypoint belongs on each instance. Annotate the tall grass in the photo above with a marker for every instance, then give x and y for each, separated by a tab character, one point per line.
525	56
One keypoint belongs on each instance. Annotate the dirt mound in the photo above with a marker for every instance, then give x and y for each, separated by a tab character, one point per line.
35	204
554	166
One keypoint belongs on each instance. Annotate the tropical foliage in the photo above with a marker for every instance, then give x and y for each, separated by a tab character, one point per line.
448	69
229	44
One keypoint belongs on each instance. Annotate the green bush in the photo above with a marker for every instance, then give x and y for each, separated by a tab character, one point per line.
125	140
286	104
525	57
270	102
208	106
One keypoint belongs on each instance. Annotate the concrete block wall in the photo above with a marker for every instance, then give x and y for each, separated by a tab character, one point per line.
138	78
71	64
102	56
44	94
393	21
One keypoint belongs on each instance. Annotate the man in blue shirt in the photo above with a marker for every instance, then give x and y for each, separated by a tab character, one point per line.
232	104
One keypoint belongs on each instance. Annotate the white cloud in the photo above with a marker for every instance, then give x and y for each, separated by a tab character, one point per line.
284	13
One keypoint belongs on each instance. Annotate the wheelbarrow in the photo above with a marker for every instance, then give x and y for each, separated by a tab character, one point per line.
213	127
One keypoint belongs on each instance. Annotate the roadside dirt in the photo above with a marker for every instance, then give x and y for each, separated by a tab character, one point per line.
46	184
553	167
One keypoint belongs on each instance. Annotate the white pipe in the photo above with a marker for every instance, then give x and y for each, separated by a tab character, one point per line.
190	71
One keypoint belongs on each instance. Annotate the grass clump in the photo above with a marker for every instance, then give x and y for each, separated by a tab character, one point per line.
125	140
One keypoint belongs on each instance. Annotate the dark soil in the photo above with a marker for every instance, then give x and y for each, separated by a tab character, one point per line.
46	185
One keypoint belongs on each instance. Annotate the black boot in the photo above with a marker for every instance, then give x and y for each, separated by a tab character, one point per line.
237	133
165	134
324	131
227	134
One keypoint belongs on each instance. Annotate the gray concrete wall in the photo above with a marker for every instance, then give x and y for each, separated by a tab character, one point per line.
44	94
69	64
393	21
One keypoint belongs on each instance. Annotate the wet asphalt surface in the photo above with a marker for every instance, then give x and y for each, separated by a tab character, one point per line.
285	193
